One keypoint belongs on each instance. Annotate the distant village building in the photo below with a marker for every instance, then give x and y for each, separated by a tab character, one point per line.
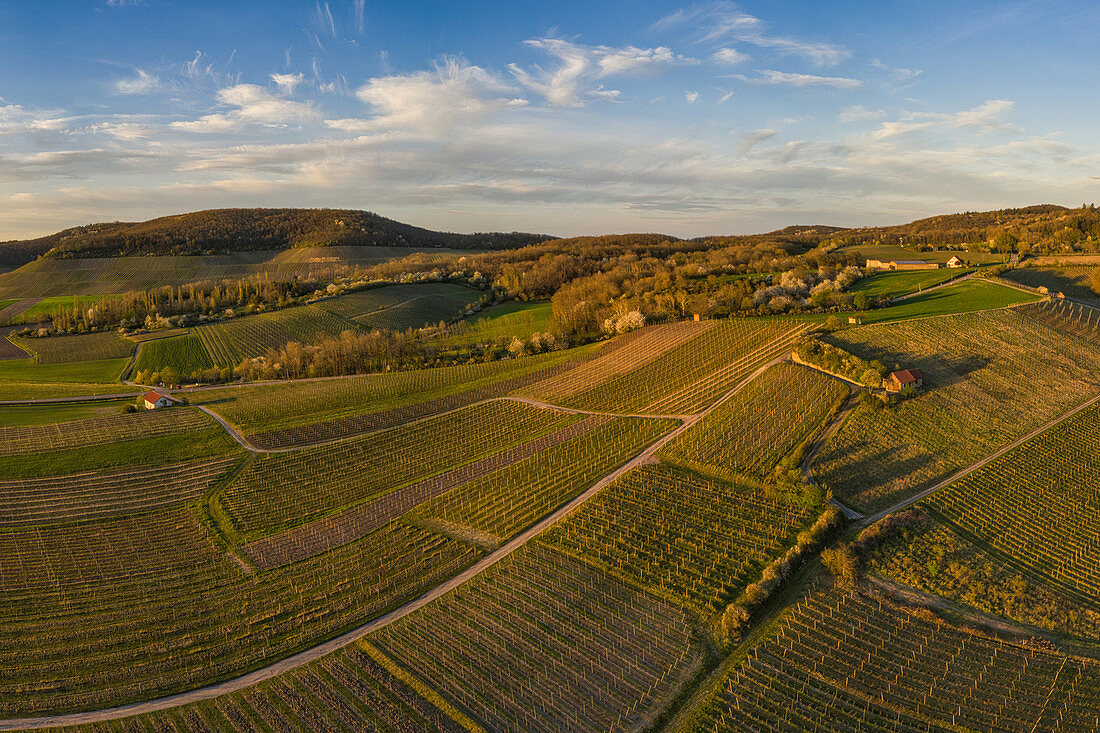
854	320
899	380
902	265
956	262
155	400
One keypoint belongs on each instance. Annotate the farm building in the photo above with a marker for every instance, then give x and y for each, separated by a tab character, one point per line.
956	261
154	400
902	265
899	380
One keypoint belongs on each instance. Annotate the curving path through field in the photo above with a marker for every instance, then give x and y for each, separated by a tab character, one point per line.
314	653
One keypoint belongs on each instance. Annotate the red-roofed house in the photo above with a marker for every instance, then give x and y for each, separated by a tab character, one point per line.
899	380
154	399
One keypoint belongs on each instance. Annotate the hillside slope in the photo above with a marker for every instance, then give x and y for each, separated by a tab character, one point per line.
233	230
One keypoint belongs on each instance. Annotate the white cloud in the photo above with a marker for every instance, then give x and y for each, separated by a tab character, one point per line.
986	117
430	103
748	142
731	56
15	119
256	104
718	21
580	67
287	83
771	76
209	124
691	97
858	112
141	83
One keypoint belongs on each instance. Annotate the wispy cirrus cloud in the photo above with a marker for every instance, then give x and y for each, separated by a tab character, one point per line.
142	82
771	76
720	21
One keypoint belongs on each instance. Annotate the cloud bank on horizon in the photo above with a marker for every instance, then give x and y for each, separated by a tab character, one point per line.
712	117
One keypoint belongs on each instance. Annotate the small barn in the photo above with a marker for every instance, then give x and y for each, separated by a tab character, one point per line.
899	380
155	400
956	261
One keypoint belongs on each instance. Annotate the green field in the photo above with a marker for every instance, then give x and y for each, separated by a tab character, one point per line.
101	371
149	451
49	306
15	415
185	354
82	347
246	337
502	323
419	305
891	284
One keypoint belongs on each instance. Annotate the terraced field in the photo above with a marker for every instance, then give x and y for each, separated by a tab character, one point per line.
864	665
988	378
690	540
760	425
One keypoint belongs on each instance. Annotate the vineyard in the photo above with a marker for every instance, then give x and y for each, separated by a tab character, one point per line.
988	378
696	542
509	500
543	642
310	411
97	494
435	301
85	347
865	665
185	354
137	607
1038	506
281	490
357	521
29	439
245	337
1073	281
679	379
760	425
347	690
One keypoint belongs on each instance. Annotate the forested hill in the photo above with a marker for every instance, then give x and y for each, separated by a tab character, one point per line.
233	230
1045	228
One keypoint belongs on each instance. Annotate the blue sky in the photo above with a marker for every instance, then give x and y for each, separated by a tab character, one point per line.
565	117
